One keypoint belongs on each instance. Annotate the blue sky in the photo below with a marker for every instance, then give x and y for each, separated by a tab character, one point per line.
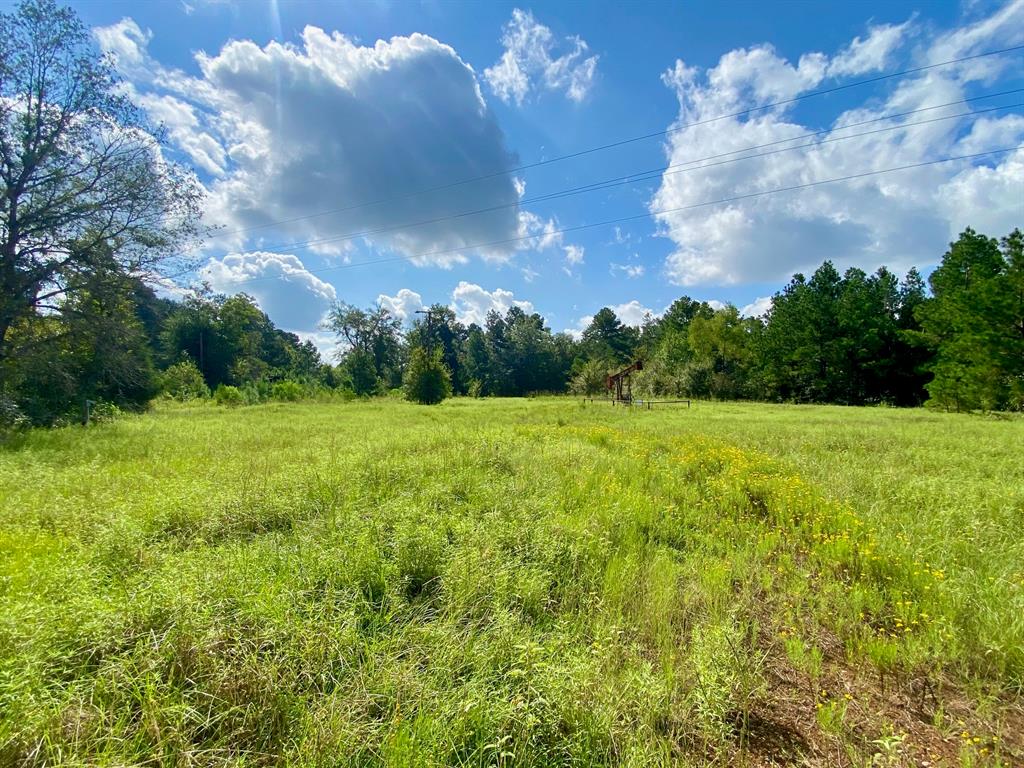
295	117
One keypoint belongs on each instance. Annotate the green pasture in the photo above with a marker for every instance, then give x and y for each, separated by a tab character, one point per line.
514	582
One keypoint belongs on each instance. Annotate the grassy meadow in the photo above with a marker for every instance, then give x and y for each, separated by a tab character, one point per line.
514	582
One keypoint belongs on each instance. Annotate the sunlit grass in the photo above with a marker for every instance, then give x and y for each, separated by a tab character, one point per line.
505	582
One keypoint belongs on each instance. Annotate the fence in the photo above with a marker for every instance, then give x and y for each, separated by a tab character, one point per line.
648	404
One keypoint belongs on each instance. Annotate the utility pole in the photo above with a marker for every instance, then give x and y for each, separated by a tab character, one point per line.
430	327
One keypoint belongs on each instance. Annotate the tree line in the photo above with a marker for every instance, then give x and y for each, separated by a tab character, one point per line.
853	338
858	339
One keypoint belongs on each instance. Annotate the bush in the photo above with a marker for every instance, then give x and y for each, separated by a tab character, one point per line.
183	381
287	391
104	411
11	417
591	380
427	380
228	395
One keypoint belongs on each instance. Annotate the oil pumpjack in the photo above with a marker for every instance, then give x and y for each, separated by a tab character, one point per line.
618	384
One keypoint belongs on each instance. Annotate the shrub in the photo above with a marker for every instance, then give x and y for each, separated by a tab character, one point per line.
183	381
11	417
591	379
288	391
228	395
104	411
427	380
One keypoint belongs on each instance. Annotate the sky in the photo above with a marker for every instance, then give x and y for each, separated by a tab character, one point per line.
416	153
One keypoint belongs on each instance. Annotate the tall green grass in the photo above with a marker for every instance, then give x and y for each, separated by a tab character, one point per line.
512	583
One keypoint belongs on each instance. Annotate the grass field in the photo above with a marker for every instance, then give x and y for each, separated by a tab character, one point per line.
514	582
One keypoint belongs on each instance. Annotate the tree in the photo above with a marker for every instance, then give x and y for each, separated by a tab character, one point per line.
913	354
80	175
427	380
478	362
802	351
721	351
194	330
592	379
362	376
374	332
440	330
606	337
1011	307
967	324
95	349
183	381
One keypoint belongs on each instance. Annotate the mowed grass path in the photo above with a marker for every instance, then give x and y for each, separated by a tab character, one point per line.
514	582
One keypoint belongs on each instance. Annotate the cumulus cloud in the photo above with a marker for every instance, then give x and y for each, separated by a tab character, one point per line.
530	62
631	313
403	304
125	43
185	130
758	307
292	131
293	297
634	313
899	219
471	303
327	343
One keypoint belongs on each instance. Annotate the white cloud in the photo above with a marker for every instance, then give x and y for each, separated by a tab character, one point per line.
293	297
471	303
403	304
543	233
622	238
757	307
185	130
634	313
631	271
293	130
327	343
166	288
125	42
529	62
631	313
871	54
1002	29
899	219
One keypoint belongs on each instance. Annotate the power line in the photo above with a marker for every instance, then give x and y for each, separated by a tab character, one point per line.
631	140
624	219
666	170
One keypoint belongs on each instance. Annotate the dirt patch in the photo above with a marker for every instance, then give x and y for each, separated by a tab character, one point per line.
853	716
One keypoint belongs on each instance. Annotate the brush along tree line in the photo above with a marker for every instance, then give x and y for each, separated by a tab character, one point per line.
91	213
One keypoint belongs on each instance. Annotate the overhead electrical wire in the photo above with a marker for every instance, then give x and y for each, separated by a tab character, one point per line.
631	140
625	219
667	170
